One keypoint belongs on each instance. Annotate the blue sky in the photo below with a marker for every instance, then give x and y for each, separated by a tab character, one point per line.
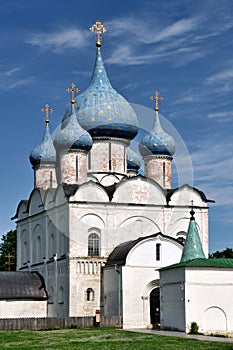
184	49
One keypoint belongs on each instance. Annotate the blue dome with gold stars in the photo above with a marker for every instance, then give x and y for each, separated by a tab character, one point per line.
157	142
45	152
102	111
73	136
133	160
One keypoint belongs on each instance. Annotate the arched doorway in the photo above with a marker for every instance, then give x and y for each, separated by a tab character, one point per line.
155	307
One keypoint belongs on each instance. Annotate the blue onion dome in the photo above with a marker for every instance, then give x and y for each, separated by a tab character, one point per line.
45	152
102	110
157	142
133	160
73	136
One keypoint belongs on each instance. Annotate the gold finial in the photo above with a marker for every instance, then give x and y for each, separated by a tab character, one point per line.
157	98
99	29
73	89
47	110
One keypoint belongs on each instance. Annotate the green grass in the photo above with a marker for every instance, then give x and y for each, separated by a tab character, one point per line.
104	339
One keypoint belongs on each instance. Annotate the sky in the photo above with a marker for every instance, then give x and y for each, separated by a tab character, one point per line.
184	49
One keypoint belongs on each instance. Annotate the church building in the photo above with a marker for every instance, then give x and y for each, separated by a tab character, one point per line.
95	228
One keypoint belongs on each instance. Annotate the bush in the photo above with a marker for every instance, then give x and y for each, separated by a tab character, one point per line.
73	326
194	328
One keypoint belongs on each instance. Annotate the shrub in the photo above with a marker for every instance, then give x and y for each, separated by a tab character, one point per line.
194	328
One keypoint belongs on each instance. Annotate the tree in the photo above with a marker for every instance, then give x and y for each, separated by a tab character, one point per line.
226	253
8	251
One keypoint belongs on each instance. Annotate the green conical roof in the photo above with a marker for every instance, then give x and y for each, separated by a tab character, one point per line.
193	247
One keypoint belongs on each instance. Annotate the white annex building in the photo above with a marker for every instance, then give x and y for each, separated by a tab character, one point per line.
95	229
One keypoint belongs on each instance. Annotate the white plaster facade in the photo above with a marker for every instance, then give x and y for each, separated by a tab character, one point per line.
202	295
53	229
23	308
127	284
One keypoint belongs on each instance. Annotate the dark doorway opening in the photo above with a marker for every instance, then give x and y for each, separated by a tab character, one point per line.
155	307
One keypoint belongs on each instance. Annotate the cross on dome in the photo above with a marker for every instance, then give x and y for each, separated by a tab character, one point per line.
46	110
73	89
99	29
157	98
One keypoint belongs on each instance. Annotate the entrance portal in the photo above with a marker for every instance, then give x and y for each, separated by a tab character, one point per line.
155	307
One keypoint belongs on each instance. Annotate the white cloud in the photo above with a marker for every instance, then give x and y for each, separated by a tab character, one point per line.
10	72
223	116
9	79
213	167
176	29
20	82
60	40
147	32
172	41
125	55
224	75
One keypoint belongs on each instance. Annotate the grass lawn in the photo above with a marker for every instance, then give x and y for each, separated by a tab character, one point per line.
104	339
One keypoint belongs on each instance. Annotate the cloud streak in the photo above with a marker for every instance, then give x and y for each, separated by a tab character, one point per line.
10	79
220	77
213	167
59	41
221	116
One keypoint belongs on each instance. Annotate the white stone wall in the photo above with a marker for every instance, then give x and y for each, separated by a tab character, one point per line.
138	209
201	295
120	223
84	274
23	308
131	284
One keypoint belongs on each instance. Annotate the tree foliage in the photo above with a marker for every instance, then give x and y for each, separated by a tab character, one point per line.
8	251
226	253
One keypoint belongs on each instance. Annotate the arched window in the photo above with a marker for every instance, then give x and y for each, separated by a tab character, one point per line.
51	295
158	251
89	294
38	249
24	252
181	240
181	236
138	227
51	245
61	295
24	247
93	245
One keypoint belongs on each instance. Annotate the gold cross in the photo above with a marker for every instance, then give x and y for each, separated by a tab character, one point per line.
73	89
99	29
157	98
47	110
9	263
